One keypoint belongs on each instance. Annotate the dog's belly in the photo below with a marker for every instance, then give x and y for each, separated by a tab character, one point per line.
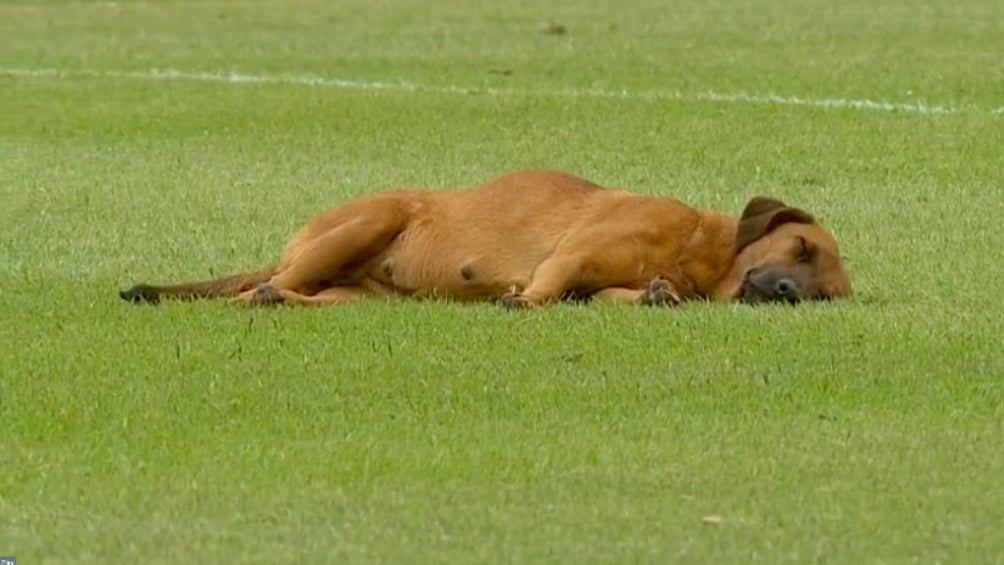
428	263
484	242
465	258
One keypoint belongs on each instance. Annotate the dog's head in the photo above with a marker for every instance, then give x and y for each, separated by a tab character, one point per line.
784	255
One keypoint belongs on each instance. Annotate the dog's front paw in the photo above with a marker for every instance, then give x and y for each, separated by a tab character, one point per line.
514	301
660	292
140	294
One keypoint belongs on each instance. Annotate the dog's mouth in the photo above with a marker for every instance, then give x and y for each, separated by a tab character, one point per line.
762	285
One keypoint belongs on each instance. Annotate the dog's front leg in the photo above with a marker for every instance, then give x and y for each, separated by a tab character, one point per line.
658	292
552	278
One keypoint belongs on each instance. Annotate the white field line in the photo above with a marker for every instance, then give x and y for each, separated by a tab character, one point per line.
317	81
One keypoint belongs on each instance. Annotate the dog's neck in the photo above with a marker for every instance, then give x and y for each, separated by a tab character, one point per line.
716	276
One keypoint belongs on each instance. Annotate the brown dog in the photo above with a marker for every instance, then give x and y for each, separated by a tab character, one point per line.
533	237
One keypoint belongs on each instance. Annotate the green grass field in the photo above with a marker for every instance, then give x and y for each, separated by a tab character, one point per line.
868	431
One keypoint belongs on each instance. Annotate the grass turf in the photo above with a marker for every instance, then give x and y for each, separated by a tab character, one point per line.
869	430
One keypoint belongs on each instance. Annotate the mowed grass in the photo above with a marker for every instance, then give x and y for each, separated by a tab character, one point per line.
870	430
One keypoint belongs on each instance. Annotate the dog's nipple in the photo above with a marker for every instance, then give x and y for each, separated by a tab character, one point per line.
467	272
387	267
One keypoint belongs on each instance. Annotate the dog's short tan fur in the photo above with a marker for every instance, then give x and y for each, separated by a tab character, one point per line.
532	237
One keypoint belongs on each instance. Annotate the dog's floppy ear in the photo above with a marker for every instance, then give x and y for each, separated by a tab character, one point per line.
763	214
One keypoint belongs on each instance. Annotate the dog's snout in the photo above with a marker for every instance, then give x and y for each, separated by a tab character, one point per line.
785	288
766	284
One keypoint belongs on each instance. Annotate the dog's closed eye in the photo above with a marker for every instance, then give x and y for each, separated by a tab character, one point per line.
804	251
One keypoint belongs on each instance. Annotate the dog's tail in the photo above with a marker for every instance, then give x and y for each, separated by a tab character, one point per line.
216	288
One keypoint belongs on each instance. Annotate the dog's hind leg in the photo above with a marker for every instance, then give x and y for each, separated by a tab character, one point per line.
267	295
330	255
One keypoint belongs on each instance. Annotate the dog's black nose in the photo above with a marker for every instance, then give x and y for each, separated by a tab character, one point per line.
785	288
